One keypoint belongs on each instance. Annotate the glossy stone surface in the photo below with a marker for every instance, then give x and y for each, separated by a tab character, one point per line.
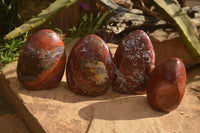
134	60
42	61
166	85
90	67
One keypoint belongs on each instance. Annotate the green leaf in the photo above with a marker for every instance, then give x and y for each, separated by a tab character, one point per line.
174	13
55	7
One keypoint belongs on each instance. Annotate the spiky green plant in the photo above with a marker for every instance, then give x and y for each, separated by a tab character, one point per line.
9	49
88	24
174	13
9	17
44	15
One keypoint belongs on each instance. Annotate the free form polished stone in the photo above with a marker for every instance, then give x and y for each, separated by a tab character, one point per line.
42	61
134	60
166	85
90	66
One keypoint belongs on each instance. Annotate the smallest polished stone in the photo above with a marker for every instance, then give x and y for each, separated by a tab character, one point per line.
166	85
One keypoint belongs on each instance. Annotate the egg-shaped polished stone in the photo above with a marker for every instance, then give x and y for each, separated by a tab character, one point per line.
42	61
90	66
134	60
166	85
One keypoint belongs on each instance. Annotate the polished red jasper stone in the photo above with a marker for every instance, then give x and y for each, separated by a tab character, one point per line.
42	61
90	66
166	85
134	60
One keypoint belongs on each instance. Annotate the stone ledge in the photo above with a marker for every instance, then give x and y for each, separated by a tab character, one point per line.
60	110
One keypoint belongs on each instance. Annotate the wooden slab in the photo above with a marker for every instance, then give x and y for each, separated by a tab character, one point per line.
60	110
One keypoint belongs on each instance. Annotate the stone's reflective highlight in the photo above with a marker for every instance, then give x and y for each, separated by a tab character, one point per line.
166	85
134	60
90	67
42	61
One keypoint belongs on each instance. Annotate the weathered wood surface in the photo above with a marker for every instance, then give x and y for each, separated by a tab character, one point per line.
60	110
123	18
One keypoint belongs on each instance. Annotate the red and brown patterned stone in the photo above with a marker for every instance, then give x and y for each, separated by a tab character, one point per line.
134	60
42	61
166	85
90	66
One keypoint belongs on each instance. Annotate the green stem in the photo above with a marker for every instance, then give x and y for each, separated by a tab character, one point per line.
100	21
55	7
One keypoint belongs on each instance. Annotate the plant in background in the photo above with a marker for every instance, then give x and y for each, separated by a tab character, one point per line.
9	49
84	6
9	17
85	26
88	24
42	17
